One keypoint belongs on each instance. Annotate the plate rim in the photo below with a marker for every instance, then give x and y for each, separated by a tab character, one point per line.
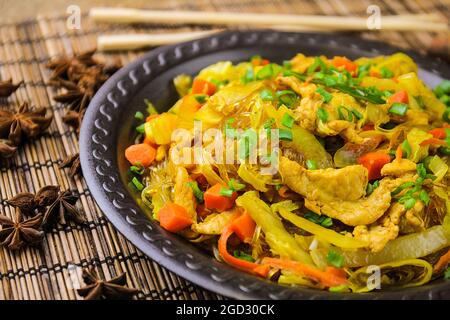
111	195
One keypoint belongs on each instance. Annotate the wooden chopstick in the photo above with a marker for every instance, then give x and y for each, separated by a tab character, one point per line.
138	41
423	22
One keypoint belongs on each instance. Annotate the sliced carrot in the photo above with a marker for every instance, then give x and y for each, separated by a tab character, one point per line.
262	270
438	133
433	141
374	161
140	154
282	191
215	200
338	272
174	217
325	278
244	227
346	63
442	262
374	73
400	96
244	265
203	87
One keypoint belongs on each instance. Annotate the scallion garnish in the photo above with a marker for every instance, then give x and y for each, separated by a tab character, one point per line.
141	128
265	72
198	194
322	220
287	120
285	134
139	186
243	256
406	148
226	192
398	108
349	116
139	115
335	259
137	169
266	95
386	73
325	94
322	114
201	98
235	186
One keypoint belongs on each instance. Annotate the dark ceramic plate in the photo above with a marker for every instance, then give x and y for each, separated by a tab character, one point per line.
108	128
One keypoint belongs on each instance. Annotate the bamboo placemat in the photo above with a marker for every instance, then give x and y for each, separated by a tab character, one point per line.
53	271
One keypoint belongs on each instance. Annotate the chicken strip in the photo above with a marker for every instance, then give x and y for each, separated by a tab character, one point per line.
363	211
398	168
183	194
348	183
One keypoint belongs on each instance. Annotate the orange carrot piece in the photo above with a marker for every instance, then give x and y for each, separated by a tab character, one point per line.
442	262
345	62
174	217
244	265
282	191
400	96
215	200
140	154
433	141
244	227
325	278
339	272
374	161
438	133
203	87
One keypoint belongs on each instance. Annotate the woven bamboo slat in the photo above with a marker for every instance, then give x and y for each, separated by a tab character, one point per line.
53	270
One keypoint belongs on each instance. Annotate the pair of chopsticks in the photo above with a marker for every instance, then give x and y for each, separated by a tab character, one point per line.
286	22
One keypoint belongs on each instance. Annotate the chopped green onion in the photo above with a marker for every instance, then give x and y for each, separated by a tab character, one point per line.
141	128
311	164
235	186
386	73
398	108
335	259
249	75
150	107
325	94
406	148
137	169
139	115
357	114
421	170
445	99
322	114
442	88
226	192
286	97
137	184
409	204
342	116
243	256
287	120
324	221
285	134
265	72
424	197
329	81
445	151
371	187
266	95
287	64
402	187
201	98
420	102
198	194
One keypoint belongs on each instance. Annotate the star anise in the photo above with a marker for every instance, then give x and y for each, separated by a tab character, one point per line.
8	87
74	119
61	209
26	123
16	233
72	162
96	289
7	150
28	202
81	76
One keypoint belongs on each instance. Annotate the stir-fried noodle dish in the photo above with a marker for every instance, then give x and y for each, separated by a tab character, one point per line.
321	172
